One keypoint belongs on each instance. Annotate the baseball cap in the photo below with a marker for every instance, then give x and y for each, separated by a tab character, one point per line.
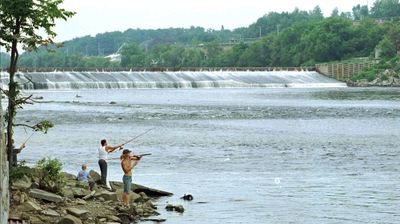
126	151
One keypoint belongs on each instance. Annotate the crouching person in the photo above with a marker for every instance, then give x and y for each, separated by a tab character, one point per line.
128	161
84	176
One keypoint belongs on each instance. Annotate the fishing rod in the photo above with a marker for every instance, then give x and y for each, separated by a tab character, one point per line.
28	138
140	155
137	136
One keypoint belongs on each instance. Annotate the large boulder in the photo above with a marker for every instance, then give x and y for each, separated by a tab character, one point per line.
19	197
107	195
133	197
69	176
152	192
70	219
68	193
51	212
177	208
44	195
82	214
94	176
79	192
29	206
113	218
76	192
144	196
23	183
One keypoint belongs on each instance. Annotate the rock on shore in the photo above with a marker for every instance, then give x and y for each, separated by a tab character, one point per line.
139	188
388	78
101	206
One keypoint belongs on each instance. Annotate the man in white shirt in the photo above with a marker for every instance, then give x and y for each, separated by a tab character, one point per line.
103	155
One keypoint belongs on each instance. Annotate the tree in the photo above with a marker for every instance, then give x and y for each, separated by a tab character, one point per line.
316	13
394	34
385	9
360	12
388	49
335	12
20	21
346	15
132	55
213	50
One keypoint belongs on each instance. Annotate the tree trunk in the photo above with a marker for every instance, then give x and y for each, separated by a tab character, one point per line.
12	94
4	188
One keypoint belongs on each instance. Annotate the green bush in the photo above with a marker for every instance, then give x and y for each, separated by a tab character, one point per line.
384	77
51	178
18	171
387	47
368	74
371	76
397	70
383	65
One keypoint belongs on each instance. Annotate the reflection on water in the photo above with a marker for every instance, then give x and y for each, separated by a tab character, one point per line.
246	155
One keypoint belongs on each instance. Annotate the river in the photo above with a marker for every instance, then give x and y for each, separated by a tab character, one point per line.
257	155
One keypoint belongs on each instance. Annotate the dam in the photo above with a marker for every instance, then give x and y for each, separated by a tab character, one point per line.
58	80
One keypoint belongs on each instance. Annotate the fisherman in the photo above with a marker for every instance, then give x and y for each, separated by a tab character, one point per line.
84	176
15	152
103	155
128	161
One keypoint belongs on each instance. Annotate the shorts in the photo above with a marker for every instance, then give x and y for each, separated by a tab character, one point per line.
127	180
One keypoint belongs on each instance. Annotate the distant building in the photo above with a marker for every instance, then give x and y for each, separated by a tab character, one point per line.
378	53
114	57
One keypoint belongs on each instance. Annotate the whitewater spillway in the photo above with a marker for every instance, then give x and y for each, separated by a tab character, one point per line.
126	80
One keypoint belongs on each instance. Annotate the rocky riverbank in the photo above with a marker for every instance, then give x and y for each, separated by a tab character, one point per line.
388	78
77	205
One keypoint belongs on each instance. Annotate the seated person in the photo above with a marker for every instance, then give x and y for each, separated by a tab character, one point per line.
84	176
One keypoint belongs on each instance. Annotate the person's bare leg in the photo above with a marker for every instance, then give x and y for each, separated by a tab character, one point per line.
125	199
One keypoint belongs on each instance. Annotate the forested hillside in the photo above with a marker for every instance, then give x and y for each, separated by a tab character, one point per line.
277	39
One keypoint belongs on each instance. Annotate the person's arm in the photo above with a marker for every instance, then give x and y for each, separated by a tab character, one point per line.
79	175
136	157
18	150
113	148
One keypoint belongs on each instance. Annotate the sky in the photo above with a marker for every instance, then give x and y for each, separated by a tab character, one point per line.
99	16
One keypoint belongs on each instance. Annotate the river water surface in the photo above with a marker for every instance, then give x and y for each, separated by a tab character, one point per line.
246	155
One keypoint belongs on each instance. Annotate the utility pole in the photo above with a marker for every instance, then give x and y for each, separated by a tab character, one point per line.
260	32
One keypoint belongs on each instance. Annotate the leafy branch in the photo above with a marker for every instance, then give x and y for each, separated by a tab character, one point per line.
42	126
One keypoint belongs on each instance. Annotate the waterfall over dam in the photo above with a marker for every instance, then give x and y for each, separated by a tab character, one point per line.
201	79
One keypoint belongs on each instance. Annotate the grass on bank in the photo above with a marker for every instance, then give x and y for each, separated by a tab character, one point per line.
377	70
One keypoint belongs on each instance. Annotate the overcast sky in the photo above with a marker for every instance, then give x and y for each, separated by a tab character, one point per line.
98	16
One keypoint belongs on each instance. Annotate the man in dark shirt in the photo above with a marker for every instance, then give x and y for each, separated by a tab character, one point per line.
15	152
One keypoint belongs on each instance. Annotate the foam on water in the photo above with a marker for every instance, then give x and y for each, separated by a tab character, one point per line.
161	80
